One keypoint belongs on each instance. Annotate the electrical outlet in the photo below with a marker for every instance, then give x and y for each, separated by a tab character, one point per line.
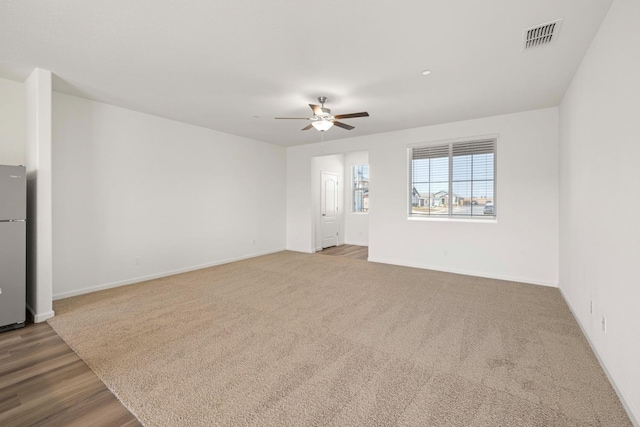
136	261
591	307
604	324
445	252
253	243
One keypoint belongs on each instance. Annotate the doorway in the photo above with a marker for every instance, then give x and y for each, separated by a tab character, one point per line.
329	209
327	200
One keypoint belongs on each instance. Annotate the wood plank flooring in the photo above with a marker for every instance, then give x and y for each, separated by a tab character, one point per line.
44	383
350	251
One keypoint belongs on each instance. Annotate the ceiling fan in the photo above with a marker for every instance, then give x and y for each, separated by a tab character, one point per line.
322	119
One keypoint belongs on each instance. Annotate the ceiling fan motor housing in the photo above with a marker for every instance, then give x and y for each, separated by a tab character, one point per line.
325	111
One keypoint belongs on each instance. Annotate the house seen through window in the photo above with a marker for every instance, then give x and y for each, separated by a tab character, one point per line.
360	188
453	180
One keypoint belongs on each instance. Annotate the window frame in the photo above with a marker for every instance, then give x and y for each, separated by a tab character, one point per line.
449	216
355	189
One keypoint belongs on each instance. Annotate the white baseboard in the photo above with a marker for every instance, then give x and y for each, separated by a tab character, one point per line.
131	281
619	392
318	249
357	243
40	317
467	272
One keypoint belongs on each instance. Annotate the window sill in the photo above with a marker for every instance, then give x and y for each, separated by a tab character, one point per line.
477	220
359	213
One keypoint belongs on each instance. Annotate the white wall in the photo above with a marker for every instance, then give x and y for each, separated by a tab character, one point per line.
174	196
599	209
12	122
333	164
356	224
38	162
522	245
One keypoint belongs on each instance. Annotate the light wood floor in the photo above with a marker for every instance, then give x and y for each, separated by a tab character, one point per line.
349	251
44	383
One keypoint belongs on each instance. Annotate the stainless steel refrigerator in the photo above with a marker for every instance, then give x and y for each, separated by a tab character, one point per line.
13	246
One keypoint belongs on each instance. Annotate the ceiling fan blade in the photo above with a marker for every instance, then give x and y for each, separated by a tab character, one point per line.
342	125
292	118
307	127
352	115
316	109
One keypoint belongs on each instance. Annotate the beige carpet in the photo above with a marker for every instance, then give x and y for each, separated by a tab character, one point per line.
299	339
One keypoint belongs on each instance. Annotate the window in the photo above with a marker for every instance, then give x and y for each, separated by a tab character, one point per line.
453	180
360	188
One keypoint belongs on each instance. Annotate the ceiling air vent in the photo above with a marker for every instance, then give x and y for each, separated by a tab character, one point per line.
541	35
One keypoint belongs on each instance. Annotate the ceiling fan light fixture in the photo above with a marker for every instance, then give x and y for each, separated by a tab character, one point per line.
322	125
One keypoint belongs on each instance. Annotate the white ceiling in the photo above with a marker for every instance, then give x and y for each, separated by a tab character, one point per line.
235	65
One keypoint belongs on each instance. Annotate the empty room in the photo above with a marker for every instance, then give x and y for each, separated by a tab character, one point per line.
288	213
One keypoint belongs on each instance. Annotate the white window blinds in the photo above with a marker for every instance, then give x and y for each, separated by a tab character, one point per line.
453	180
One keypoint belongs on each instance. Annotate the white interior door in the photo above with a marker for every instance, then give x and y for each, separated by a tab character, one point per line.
329	209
